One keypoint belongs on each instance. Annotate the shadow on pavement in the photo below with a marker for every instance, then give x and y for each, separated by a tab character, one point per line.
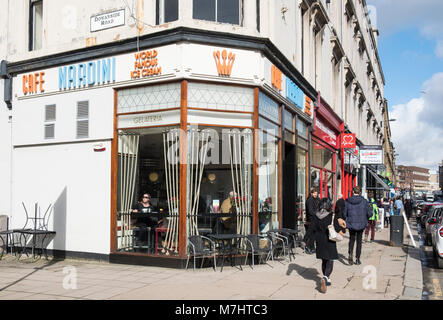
50	263
306	273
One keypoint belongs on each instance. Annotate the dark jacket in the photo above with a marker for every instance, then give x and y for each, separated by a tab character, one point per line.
339	210
324	248
357	212
311	207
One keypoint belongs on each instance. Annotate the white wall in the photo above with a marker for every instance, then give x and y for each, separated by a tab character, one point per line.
76	180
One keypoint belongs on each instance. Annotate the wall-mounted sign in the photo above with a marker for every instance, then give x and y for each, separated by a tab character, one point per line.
146	64
308	106
326	134
371	155
33	83
294	93
86	74
348	140
149	119
224	68
108	20
276	75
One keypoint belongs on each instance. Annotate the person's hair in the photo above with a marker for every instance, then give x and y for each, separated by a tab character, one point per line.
326	204
356	190
314	189
143	194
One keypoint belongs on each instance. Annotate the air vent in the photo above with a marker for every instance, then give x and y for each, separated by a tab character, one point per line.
82	119
49	131
50	112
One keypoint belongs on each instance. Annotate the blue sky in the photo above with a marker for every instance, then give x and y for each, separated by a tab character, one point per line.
410	47
408	60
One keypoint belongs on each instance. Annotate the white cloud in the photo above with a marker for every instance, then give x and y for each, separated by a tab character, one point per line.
418	130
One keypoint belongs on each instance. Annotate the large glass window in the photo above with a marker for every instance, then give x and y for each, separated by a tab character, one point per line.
167	11
226	11
322	157
268	182
148	166
301	181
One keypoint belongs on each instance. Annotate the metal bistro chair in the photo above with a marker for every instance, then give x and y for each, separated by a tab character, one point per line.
253	248
280	243
198	248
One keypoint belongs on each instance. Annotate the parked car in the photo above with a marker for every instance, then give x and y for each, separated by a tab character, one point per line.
424	213
437	239
433	217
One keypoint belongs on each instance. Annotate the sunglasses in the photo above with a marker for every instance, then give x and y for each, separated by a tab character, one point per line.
146	197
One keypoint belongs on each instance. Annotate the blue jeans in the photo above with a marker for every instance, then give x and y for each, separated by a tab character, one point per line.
397	212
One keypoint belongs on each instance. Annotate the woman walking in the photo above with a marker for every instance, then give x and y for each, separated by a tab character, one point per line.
326	249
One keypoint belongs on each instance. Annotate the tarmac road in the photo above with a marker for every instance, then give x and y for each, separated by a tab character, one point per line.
432	275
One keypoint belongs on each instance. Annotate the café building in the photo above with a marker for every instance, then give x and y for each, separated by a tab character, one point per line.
216	130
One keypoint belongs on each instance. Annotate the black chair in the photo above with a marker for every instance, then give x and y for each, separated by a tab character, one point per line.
253	248
198	248
279	243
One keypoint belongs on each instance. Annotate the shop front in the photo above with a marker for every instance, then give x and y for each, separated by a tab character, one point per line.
170	142
325	150
350	164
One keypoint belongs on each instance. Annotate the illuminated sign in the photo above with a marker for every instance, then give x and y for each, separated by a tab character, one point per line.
223	68
33	83
146	64
86	74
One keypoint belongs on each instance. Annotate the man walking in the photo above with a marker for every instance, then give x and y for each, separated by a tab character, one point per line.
356	214
398	206
372	220
312	204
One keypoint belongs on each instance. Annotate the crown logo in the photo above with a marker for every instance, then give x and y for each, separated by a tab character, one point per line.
224	67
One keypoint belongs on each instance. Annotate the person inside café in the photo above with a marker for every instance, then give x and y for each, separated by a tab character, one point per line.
145	221
228	224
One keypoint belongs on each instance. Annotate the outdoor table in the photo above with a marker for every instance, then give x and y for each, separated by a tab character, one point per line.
227	245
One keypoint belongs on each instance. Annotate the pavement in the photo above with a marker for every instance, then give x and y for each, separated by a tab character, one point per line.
386	273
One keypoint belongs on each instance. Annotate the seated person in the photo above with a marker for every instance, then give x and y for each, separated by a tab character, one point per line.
228	224
145	206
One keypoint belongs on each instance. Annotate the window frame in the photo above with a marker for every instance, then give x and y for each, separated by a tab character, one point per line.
240	14
31	27
160	12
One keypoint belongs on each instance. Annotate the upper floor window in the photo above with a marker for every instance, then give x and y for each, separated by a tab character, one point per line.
166	11
35	24
226	11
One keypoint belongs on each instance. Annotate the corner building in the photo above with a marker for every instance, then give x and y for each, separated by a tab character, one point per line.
190	101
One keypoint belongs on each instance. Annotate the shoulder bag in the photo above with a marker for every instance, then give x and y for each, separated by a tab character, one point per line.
334	235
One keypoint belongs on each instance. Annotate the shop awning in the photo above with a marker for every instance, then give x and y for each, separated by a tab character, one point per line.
379	180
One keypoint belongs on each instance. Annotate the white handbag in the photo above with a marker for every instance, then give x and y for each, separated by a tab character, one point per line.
334	235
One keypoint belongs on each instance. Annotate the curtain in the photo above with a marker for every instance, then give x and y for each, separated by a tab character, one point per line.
128	145
240	149
171	145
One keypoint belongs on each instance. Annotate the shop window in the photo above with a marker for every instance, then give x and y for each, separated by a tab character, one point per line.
82	119
268	182
166	11
147	98
268	107
302	128
35	24
50	117
220	97
225	11
288	120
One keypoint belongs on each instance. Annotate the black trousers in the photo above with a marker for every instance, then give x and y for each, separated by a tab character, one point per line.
309	236
327	266
355	235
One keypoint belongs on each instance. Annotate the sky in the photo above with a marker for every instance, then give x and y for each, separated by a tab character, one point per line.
410	47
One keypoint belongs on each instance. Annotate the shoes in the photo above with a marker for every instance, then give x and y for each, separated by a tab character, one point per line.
357	261
366	238
372	240
309	251
323	285
350	260
328	281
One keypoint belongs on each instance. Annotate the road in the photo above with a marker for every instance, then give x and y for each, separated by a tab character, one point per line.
432	275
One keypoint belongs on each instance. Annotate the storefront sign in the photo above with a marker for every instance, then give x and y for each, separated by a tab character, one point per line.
108	20
146	64
224	67
326	134
308	106
33	83
371	155
86	74
276	75
294	93
348	140
149	119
